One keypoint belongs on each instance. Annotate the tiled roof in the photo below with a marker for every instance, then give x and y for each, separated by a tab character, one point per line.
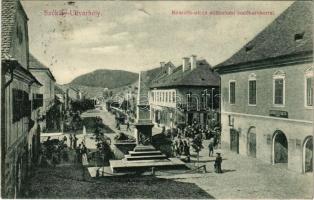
202	75
282	37
35	64
8	17
9	9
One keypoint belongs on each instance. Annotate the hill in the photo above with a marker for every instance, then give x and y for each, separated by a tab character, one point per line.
105	78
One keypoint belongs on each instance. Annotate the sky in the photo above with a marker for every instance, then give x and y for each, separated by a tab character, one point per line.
138	35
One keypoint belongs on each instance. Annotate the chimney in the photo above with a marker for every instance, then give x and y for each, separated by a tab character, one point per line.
185	63
162	66
193	61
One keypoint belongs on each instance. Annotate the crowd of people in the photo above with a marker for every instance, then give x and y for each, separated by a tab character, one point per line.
192	136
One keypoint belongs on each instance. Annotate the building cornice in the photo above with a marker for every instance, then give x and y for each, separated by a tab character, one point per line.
268	117
280	61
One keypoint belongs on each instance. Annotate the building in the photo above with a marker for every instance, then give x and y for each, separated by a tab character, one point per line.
74	94
184	94
19	119
267	92
46	78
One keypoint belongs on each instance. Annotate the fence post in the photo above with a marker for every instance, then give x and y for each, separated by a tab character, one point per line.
153	171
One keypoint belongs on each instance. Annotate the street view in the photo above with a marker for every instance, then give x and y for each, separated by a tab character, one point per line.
157	99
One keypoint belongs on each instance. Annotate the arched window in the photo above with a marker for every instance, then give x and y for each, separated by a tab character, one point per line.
309	87
279	88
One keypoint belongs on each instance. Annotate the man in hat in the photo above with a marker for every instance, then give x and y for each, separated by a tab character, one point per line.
217	164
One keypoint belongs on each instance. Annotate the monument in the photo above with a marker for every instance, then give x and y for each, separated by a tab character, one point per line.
144	155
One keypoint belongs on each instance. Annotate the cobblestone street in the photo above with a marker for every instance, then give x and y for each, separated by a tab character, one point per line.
239	179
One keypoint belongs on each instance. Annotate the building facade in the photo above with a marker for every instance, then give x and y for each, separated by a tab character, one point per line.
267	93
18	116
46	78
179	96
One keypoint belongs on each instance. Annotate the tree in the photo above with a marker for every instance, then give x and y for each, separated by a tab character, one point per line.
197	145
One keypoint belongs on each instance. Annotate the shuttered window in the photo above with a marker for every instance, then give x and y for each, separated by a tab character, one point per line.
21	105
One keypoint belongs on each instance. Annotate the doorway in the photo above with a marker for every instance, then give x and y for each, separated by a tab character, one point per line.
234	140
308	155
252	142
280	148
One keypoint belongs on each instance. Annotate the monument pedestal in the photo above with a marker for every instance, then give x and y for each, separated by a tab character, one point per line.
144	156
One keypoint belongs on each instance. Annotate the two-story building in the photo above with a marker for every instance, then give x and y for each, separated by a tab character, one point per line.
46	78
18	116
184	94
267	92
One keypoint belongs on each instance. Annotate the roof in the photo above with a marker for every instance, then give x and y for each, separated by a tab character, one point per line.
202	75
35	64
282	37
59	90
8	63
9	9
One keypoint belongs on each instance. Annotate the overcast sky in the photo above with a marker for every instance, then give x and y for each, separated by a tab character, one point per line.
125	37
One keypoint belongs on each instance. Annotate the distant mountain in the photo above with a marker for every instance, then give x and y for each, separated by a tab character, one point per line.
105	78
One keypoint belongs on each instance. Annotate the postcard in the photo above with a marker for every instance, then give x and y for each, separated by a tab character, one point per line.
156	99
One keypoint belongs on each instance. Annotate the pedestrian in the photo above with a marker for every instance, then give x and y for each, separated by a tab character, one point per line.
71	141
217	164
65	139
211	147
84	152
78	151
176	148
128	126
187	150
181	147
74	142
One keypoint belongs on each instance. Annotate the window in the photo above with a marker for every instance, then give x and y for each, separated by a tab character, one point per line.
232	92
309	91
166	96
252	89
170	97
159	97
298	36
189	99
37	101
173	97
278	99
279	88
21	104
309	87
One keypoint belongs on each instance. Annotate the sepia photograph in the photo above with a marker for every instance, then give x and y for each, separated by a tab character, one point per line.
157	99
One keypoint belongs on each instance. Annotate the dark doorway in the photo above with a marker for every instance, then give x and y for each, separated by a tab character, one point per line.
280	148
234	140
308	155
190	118
252	142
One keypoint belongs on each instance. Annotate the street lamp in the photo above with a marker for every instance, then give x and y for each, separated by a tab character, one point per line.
213	98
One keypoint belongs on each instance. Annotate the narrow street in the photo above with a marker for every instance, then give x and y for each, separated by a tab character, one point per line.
70	180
